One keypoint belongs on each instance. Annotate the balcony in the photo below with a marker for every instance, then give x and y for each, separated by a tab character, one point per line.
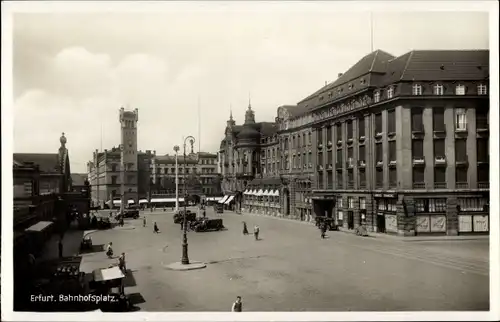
350	140
320	146
350	185
361	164
392	163
391	134
380	164
462	163
310	165
339	142
439	132
483	185
362	184
418	162
362	138
338	166
330	167
378	135
462	185
439	185
440	161
329	145
320	167
350	163
419	185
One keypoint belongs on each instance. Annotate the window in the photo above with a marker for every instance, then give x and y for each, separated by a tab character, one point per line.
482	150
472	204
339	156
416	120
362	152
329	180
440	176
430	205
350	202
350	177
113	167
339	131
329	135
361	127
460	119
482	89
340	203
362	203
417	149
482	120
390	92
460	90
439	148
310	138
393	177
438	119
378	123
461	150
391	118
362	178
392	151
379	178
417	89
483	174
340	180
349	130
130	179
113	179
418	175
438	89
376	97
461	175
379	152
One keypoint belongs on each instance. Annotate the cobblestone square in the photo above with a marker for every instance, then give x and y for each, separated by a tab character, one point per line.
292	269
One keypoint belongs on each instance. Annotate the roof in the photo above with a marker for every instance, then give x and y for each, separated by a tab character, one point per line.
265	181
207	155
248	132
78	179
268	128
47	162
170	159
435	65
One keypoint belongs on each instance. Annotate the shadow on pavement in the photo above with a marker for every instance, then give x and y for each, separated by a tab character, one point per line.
136	298
129	280
93	249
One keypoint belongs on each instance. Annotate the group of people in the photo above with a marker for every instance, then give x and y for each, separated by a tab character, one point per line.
156	230
256	230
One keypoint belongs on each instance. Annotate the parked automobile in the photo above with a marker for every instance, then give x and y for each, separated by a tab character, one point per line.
179	217
205	224
130	212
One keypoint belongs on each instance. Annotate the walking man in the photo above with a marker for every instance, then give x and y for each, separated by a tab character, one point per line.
121	263
256	231
155	228
144	222
237	305
323	230
245	229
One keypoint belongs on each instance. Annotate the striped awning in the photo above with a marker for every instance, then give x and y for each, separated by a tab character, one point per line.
229	200
223	200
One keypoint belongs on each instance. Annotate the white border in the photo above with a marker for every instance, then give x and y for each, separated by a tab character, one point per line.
147	6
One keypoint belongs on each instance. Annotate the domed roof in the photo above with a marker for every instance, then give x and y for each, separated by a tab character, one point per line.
248	132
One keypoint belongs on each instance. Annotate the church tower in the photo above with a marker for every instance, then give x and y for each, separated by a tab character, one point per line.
128	148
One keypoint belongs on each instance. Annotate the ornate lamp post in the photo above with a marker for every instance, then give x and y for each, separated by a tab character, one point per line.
176	149
185	258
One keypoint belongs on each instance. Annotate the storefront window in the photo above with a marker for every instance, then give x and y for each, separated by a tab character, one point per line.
472	204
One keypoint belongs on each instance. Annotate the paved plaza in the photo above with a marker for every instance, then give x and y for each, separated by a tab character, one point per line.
292	269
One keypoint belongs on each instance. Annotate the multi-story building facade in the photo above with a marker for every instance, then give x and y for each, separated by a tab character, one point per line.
200	175
397	143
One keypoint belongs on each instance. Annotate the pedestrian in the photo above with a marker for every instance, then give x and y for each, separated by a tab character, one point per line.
155	228
237	305
245	229
204	213
144	222
256	231
122	264
182	224
60	244
121	221
323	230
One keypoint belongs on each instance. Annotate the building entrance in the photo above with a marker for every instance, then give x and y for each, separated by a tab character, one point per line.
350	220
380	223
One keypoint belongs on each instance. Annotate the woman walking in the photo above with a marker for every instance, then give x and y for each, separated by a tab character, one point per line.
245	229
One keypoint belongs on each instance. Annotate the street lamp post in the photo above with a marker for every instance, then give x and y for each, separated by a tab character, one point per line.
185	258
176	149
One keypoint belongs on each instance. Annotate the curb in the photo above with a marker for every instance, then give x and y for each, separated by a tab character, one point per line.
178	266
309	223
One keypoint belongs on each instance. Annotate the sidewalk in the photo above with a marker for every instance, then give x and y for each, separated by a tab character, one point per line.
309	223
419	238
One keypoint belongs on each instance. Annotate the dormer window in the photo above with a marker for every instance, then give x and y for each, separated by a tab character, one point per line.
362	81
438	89
350	86
417	89
390	92
330	94
482	89
376	97
460	90
339	91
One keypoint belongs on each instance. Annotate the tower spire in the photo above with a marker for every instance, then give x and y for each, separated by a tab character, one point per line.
230	112
249	101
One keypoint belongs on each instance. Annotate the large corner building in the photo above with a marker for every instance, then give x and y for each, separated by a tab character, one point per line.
399	144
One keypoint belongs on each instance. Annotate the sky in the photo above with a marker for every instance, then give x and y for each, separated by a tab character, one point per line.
72	72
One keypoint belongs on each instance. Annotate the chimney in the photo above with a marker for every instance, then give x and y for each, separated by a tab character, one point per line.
340	74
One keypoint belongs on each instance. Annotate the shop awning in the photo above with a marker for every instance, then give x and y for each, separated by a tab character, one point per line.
160	200
214	198
118	202
276	193
223	199
40	226
265	193
254	192
229	200
247	192
143	201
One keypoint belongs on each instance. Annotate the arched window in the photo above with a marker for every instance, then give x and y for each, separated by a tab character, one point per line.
417	89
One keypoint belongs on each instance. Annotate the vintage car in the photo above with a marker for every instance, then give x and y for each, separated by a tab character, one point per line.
205	224
330	222
130	212
179	217
86	243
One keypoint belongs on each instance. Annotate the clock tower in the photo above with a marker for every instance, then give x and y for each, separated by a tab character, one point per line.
128	147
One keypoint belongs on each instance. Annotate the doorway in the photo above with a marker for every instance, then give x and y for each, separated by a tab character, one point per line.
350	220
380	223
